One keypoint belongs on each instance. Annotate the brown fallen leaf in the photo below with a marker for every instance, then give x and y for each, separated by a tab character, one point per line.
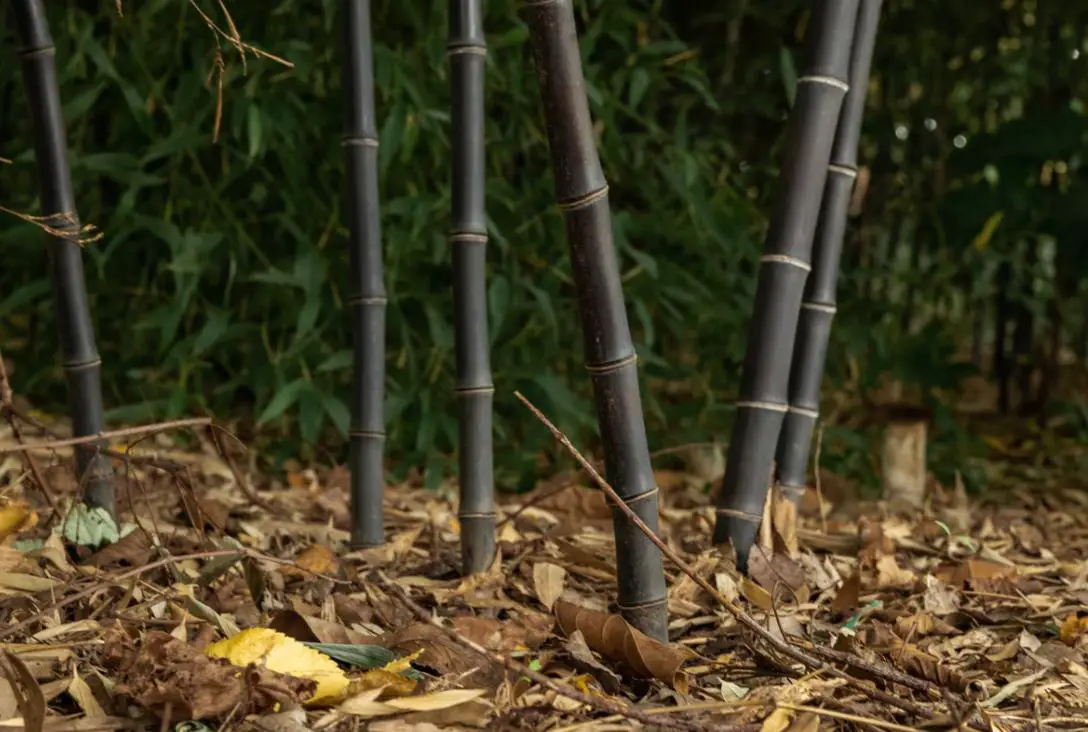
174	680
132	550
315	559
583	660
614	638
442	655
309	629
501	635
1074	629
846	599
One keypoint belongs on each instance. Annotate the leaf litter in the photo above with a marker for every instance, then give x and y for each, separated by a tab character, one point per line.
971	613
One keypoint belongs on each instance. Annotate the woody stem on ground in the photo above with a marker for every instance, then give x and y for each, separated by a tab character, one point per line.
780	645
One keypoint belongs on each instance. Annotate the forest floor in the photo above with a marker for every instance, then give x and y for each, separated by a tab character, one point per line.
969	614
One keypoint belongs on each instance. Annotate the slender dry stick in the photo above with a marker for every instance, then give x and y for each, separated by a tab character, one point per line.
7	396
742	617
110	435
135	572
243	484
601	704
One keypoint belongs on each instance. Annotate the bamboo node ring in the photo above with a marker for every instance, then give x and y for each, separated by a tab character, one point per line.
786	259
844	170
811	413
648	494
359	142
367	433
611	366
826	80
468	390
819	306
32	52
367	300
641	605
81	365
742	515
585	201
766	406
463	516
468	237
466	50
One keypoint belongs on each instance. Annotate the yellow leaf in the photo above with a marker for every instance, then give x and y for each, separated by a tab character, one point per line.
1072	629
277	652
15	518
777	721
400	665
988	229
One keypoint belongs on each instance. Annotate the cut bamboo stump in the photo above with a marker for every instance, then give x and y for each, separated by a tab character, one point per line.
903	456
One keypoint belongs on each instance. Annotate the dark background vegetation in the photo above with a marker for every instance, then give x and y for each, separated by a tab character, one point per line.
220	283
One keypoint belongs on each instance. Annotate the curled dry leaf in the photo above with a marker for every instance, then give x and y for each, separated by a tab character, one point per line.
615	639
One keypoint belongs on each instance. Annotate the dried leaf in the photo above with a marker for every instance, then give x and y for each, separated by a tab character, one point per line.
614	638
548	582
315	630
132	549
315	559
366	705
81	692
28	695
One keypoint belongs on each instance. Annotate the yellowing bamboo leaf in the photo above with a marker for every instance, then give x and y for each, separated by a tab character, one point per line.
982	240
366	704
79	690
777	721
25	582
15	518
277	652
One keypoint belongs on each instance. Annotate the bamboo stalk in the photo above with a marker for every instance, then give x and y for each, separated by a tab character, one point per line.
818	305
82	363
368	300
763	397
468	237
582	194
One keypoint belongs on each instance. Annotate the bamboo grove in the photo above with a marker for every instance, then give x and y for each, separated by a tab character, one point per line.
795	299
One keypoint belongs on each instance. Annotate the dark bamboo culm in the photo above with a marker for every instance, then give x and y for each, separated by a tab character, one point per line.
818	306
763	398
582	193
368	290
468	238
82	364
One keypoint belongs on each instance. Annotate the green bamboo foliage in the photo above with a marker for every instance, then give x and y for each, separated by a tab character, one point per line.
468	238
763	398
582	194
82	364
818	306
368	289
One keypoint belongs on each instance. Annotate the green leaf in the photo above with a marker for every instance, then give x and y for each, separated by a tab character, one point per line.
284	399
